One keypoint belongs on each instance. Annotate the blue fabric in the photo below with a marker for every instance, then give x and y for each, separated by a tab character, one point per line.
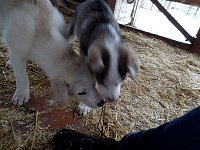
182	133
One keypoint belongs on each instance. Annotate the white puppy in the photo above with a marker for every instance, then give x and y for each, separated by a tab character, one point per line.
33	30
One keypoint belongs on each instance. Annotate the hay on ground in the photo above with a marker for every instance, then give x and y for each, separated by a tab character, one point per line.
168	85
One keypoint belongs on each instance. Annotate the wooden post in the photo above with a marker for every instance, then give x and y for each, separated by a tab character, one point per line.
190	2
112	4
195	47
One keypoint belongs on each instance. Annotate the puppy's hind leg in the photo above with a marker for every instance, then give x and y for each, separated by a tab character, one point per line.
21	95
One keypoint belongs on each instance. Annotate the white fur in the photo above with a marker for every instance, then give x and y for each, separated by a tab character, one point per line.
33	30
83	109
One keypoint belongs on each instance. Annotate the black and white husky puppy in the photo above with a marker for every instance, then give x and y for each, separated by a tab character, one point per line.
107	56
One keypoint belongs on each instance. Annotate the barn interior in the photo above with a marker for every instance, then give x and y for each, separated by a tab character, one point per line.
167	86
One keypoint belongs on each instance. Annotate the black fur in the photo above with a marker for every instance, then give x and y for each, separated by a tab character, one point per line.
101	74
93	18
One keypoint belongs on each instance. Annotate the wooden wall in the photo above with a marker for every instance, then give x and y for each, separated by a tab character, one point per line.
190	2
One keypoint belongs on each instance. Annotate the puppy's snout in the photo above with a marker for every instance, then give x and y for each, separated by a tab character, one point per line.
100	103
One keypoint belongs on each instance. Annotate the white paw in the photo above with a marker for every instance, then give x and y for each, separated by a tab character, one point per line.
8	64
83	109
20	98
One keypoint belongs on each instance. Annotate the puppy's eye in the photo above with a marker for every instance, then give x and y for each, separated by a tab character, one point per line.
82	93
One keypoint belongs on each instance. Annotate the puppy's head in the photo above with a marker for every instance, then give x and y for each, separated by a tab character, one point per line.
80	83
87	93
110	66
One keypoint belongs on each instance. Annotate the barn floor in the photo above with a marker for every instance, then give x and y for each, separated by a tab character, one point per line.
168	85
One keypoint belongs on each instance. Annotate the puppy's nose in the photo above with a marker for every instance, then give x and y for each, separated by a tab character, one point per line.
100	103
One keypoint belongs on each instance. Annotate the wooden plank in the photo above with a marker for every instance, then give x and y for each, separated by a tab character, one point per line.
190	2
173	21
71	4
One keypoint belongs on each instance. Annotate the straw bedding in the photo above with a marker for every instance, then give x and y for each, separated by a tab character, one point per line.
168	85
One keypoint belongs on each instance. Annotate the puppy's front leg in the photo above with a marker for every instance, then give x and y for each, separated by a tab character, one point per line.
59	89
83	109
21	95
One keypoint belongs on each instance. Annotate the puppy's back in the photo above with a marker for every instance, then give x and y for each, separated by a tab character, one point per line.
35	23
88	20
41	12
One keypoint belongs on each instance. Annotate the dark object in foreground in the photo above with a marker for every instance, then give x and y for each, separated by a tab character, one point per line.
182	133
67	139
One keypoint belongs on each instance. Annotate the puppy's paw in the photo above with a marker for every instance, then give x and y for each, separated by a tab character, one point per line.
20	98
8	64
83	109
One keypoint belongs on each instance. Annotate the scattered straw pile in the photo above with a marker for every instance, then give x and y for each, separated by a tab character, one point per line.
168	85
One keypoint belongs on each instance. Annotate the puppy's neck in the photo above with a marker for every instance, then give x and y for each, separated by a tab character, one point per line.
106	31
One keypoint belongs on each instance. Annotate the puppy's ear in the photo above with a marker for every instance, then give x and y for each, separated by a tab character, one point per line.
128	60
94	60
59	90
